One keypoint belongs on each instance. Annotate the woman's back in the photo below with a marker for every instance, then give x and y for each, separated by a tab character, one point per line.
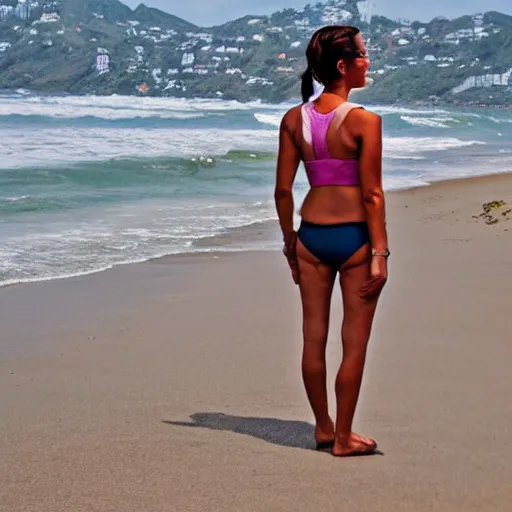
336	123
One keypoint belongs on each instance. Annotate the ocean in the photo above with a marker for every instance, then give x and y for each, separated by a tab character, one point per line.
87	183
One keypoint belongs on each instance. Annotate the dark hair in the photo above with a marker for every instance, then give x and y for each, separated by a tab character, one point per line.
327	47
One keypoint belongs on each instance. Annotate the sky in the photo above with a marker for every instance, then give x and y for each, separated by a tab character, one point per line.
214	12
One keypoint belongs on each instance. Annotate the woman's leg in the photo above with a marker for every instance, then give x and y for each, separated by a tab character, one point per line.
316	284
358	317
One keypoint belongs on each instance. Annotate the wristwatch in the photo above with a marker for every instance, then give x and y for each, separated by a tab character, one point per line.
384	253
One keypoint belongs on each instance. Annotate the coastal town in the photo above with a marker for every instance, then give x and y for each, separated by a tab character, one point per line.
145	51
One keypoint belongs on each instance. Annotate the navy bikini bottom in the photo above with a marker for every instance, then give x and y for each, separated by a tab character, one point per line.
333	244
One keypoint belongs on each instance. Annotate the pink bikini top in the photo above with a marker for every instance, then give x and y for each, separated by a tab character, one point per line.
325	170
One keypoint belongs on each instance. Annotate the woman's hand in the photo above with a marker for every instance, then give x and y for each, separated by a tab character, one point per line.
378	278
290	251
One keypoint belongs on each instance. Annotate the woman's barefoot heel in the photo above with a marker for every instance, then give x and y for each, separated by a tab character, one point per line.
325	437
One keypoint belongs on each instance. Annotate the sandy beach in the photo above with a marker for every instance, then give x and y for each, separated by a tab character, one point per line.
175	385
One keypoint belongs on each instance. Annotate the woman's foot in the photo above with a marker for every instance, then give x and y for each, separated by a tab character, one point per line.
324	436
366	440
353	446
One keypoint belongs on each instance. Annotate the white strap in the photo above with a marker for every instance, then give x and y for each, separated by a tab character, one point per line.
306	125
342	112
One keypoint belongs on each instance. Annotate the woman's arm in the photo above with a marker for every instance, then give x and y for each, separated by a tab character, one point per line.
371	180
287	164
373	199
288	160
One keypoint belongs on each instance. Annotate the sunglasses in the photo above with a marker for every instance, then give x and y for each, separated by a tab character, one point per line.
358	54
355	54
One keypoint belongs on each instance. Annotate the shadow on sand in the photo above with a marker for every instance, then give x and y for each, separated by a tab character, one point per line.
288	433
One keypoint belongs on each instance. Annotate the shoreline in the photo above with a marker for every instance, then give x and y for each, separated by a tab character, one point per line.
260	231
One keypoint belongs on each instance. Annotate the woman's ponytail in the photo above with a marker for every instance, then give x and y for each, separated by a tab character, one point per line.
307	89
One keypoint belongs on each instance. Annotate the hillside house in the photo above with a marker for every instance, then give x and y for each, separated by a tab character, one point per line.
5	11
466	34
157	75
200	36
187	59
335	16
480	81
256	80
302	24
51	17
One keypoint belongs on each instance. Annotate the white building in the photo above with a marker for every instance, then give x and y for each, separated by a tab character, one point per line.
5	10
157	75
256	80
102	64
187	59
51	17
336	16
488	80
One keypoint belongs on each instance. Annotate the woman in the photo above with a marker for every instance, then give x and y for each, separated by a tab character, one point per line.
343	228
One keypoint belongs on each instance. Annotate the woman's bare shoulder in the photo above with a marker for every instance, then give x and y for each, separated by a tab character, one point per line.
365	115
363	120
292	117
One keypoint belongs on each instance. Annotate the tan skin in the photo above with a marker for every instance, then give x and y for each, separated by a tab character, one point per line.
362	277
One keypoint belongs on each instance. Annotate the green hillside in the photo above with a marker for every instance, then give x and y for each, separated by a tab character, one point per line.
104	47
